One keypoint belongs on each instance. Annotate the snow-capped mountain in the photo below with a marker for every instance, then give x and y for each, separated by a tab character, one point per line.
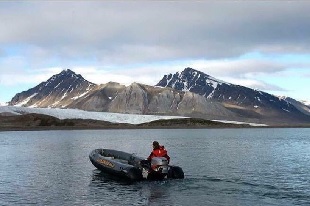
69	90
192	80
242	100
188	93
60	90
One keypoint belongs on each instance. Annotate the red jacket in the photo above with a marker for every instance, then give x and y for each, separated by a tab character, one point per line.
161	152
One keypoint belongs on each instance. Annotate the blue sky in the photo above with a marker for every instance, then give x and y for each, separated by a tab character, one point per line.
259	44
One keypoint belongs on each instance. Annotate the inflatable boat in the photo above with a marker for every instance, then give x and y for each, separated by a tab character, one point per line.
132	167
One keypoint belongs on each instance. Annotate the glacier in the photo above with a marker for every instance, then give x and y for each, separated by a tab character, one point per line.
103	116
81	114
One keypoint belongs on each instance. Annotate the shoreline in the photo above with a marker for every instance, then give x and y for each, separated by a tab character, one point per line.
53	128
40	122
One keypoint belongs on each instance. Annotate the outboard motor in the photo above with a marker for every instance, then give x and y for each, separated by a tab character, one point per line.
160	164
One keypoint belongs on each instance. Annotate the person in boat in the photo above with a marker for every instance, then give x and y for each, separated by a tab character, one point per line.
158	151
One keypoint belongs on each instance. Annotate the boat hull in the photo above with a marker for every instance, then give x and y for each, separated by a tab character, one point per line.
126	165
116	163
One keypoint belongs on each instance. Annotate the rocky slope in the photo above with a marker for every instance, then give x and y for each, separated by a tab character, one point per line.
299	105
144	99
60	91
243	101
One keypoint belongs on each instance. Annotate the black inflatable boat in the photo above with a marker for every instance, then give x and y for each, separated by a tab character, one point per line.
133	168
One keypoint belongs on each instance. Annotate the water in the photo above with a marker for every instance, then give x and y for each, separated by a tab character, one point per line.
222	167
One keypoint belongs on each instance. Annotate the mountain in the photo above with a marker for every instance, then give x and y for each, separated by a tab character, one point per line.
99	98
60	90
144	99
245	102
70	90
189	93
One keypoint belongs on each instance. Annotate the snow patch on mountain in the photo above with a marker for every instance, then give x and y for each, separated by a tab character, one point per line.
285	110
25	101
79	96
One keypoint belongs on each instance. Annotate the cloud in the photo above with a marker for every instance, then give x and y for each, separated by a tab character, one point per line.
143	40
244	72
131	32
238	67
254	84
237	71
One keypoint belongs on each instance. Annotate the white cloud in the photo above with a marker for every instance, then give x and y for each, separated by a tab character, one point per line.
237	67
238	71
254	84
122	32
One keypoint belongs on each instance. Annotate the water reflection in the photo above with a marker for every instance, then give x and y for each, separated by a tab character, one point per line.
101	178
120	191
158	193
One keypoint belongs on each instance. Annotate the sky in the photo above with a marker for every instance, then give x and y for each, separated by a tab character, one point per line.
263	45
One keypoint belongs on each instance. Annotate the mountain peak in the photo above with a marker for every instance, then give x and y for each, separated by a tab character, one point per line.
64	87
190	80
190	70
66	74
67	71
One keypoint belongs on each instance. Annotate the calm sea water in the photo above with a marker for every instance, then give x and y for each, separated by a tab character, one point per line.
222	167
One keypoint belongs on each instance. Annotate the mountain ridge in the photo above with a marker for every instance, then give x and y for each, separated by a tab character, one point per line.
188	93
235	97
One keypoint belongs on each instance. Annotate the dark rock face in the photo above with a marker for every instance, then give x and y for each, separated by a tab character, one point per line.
299	105
190	80
58	91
